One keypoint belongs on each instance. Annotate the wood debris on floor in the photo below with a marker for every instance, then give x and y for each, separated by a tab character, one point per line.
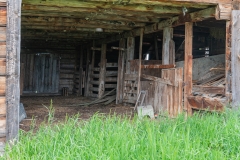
208	93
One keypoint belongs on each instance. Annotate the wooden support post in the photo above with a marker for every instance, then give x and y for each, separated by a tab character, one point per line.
167	53
156	47
228	76
120	82
235	59
188	66
102	75
140	60
80	72
87	75
12	70
130	52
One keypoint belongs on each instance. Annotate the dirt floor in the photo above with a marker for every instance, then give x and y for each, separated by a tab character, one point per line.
34	107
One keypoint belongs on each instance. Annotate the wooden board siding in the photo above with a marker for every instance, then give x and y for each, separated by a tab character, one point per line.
41	73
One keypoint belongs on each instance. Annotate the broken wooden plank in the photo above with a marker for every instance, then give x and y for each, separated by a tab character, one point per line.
160	80
209	89
205	103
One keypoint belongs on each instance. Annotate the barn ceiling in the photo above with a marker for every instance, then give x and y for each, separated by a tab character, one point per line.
70	22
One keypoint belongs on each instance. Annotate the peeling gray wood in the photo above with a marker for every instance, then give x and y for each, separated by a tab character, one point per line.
13	67
235	58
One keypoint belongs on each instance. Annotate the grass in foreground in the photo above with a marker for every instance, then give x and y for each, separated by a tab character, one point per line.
209	136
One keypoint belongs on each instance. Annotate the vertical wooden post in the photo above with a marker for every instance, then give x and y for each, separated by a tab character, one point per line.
87	80
188	66
102	75
235	59
167	43
12	68
140	60
156	47
120	79
80	72
228	61
93	55
130	52
172	52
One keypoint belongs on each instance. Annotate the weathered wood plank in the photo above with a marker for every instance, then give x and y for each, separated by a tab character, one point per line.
204	103
130	52
160	80
121	69
101	88
235	58
158	66
167	37
209	89
156	47
228	76
188	66
13	68
140	60
88	72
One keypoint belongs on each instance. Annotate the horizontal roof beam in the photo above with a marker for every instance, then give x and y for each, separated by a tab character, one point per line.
172	22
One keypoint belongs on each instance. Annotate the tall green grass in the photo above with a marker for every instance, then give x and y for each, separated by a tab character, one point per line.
203	136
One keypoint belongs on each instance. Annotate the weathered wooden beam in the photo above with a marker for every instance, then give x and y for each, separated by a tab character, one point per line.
205	103
118	48
48	25
80	81
87	73
223	11
188	66
160	80
158	66
77	6
167	37
101	88
235	58
121	69
140	60
172	22
13	68
94	16
186	3
75	22
209	89
228	74
130	52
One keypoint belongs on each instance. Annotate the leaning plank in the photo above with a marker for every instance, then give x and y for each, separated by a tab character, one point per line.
205	103
161	80
84	104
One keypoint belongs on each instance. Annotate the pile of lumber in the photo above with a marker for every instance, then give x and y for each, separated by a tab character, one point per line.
209	91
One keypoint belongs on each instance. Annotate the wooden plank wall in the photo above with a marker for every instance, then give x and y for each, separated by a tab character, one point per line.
165	98
41	73
3	21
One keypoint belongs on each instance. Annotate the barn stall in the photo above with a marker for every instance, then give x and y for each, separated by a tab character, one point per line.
75	52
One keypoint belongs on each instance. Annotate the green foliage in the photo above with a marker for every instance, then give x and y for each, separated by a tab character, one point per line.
203	136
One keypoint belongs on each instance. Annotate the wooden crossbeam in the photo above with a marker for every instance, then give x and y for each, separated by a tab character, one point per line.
78	6
174	21
158	66
161	80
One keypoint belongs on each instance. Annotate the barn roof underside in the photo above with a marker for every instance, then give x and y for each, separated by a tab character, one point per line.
72	22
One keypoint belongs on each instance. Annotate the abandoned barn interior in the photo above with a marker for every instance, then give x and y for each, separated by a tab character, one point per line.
182	55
